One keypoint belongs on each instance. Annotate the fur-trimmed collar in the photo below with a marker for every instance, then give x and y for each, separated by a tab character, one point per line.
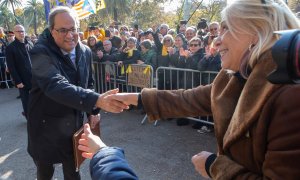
241	104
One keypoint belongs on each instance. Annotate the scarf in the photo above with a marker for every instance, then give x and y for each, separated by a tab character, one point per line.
164	51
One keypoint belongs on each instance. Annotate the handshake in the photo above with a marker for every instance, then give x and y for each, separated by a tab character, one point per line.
115	102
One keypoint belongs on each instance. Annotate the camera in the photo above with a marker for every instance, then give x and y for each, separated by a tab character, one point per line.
202	24
92	28
286	54
183	22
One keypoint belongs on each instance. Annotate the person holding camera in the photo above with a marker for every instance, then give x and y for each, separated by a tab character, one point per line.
256	122
106	163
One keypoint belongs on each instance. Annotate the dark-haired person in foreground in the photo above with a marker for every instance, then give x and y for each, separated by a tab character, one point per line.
106	163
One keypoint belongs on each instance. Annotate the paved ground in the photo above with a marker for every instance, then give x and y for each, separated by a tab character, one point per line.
156	153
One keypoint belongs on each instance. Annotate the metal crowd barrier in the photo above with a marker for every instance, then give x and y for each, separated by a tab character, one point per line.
109	76
178	78
4	75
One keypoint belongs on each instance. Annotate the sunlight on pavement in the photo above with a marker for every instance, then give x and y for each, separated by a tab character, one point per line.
3	158
6	175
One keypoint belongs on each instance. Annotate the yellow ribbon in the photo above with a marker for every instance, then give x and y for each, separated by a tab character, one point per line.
130	52
52	3
147	70
164	51
122	70
129	70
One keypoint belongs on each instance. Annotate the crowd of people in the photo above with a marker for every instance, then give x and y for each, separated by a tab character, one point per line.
185	47
55	78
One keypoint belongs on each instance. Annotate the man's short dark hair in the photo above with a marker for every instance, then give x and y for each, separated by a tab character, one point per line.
147	44
59	10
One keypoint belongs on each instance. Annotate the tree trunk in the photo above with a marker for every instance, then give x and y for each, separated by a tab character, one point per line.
14	11
35	23
115	14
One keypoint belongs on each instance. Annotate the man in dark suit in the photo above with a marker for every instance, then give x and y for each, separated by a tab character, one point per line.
62	83
19	64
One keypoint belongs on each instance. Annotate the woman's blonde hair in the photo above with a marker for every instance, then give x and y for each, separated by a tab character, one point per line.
259	18
168	36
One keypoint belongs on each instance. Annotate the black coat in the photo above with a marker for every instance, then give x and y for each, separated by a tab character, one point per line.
112	56
19	63
136	55
60	93
192	79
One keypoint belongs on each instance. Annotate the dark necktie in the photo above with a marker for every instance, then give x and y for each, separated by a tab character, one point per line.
67	56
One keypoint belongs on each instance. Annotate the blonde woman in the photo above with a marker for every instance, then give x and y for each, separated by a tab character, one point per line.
256	122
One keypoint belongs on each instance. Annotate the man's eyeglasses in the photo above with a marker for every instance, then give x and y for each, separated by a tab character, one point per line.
167	40
64	31
20	31
213	29
193	45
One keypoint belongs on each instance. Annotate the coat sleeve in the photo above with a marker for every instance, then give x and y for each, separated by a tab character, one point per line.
160	104
110	163
203	64
47	74
11	64
113	57
282	154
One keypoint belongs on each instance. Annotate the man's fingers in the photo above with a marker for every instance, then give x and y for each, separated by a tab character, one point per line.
84	148
83	142
83	136
87	155
115	106
87	129
119	104
113	91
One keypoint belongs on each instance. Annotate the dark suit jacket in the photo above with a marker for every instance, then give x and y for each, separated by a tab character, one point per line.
60	93
19	63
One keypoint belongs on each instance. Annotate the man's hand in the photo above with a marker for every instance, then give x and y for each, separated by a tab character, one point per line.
94	120
100	54
127	98
89	143
199	162
171	50
140	62
120	63
108	103
21	85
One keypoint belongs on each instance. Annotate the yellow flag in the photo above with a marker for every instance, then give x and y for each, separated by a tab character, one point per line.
123	69
100	4
129	70
147	70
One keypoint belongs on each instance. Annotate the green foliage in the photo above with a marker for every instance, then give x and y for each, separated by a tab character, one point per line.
13	4
34	11
294	5
6	18
145	13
